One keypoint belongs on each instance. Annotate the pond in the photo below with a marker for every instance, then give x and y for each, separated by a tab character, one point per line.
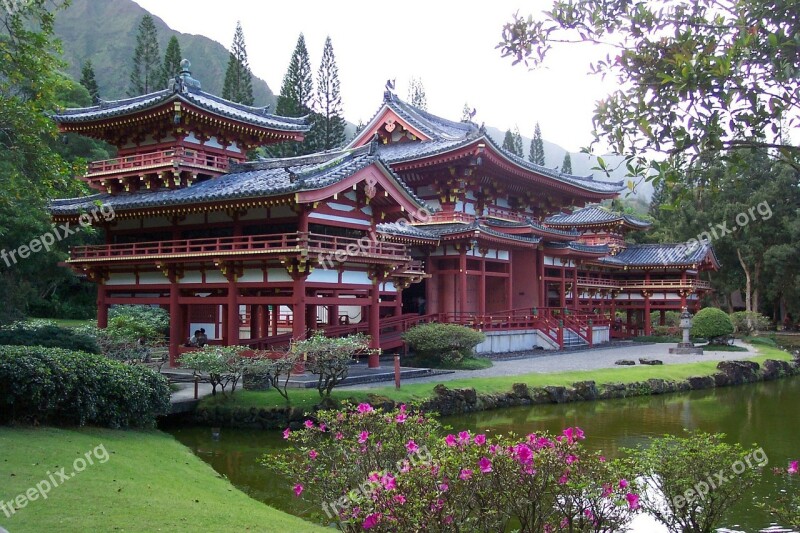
763	413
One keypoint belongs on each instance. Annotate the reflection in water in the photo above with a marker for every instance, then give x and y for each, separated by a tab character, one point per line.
763	413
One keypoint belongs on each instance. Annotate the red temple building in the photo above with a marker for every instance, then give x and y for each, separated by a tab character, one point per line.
418	219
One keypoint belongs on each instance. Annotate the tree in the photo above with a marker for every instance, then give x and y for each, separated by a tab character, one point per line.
536	154
89	81
416	94
508	142
566	165
147	74
238	85
172	59
694	76
329	101
518	142
330	357
296	93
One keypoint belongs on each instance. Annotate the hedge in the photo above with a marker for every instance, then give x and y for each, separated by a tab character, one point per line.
712	324
62	387
47	335
443	342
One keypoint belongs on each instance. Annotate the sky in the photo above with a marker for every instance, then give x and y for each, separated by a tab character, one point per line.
449	45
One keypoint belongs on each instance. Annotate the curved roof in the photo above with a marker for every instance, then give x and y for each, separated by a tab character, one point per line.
646	255
594	215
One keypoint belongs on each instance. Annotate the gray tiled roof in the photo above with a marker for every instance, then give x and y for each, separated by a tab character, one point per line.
661	254
406	230
254	180
252	115
592	249
437	128
593	215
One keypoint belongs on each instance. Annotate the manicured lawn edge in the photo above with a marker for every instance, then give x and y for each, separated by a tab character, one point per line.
267	410
150	482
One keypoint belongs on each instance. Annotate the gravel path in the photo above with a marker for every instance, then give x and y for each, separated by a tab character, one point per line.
578	360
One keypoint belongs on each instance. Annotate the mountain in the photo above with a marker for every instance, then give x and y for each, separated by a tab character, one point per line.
105	33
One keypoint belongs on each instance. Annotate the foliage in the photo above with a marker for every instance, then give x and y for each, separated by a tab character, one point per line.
748	323
445	342
277	367
536	154
47	334
238	78
416	94
672	319
711	323
89	81
223	365
566	165
786	506
295	98
508	142
147	73
172	59
693	76
391	471
330	132
57	386
330	357
677	470
139	321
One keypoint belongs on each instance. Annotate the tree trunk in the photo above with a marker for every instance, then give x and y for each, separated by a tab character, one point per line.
747	293
756	284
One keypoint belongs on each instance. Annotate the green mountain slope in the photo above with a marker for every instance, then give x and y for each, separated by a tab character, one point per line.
105	32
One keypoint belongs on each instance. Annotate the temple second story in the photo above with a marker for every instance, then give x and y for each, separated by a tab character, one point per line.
174	137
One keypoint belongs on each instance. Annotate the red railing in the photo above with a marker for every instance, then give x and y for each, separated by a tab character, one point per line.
642	284
181	156
505	214
451	216
348	248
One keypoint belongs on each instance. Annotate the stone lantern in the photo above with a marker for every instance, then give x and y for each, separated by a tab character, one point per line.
686	347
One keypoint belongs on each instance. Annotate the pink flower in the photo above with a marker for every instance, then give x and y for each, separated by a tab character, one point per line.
602	459
493	448
579	434
411	446
448	519
443	487
388	482
792	468
607	490
364	408
524	454
298	490
402	408
371	521
322	427
286	433
623	483
338	435
633	501
463	437
480	440
313	454
465	474
563	479
571	459
485	465
400	418
450	440
309	424
399	498
362	438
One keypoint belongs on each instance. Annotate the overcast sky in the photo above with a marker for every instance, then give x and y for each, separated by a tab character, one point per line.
449	45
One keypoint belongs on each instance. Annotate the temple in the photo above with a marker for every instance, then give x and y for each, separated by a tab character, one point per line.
418	219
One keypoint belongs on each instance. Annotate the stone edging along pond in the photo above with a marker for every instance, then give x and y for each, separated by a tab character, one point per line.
446	401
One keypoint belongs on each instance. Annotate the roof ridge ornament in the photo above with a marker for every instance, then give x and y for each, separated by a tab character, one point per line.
183	82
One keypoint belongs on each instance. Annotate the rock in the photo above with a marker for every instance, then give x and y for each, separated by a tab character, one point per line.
557	394
701	382
613	390
539	395
255	381
774	369
658	386
586	390
470	396
624	362
646	361
520	390
378	401
739	372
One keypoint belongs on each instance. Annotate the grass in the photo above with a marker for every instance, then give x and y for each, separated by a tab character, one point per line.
69	322
723	348
150	482
306	399
468	363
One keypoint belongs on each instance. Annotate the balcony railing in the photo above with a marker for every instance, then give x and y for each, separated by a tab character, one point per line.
341	248
171	157
505	214
642	284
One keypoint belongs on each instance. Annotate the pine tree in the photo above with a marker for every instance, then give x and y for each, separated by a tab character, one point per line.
148	74
518	150
89	81
359	128
566	166
536	154
329	101
416	94
297	89
508	141
238	85
172	59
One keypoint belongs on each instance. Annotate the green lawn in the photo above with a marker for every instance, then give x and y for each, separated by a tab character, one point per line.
305	398
70	323
149	482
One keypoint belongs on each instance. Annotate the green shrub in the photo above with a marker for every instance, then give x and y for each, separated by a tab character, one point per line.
666	331
671	319
137	321
748	322
712	323
449	343
56	386
47	334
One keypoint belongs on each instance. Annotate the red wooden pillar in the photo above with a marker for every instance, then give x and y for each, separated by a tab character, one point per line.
646	294
542	285
232	333
662	318
398	301
510	281
373	361
683	291
576	300
260	328
482	288
299	307
562	298
175	323
462	282
102	307
274	315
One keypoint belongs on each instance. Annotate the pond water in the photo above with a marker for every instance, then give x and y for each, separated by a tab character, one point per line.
765	414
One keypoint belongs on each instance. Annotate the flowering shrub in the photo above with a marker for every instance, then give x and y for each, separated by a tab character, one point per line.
465	482
786	507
